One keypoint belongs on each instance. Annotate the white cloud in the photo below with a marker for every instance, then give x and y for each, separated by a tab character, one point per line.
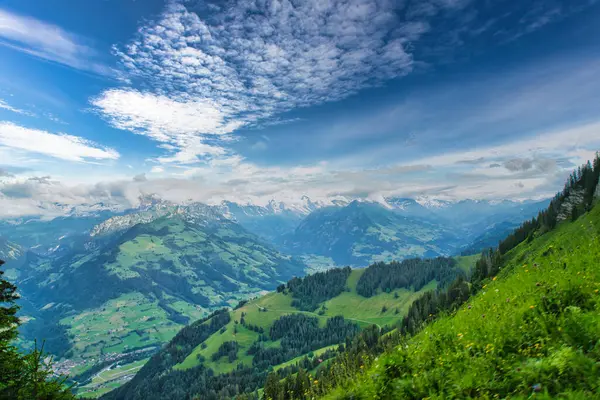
179	125
47	41
61	146
573	142
160	117
5	106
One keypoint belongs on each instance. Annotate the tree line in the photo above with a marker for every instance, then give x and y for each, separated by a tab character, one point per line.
311	290
412	274
299	334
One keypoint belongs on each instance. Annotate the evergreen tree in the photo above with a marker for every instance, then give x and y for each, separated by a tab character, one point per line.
23	377
272	390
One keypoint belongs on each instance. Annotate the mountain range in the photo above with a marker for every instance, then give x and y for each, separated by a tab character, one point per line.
519	319
114	282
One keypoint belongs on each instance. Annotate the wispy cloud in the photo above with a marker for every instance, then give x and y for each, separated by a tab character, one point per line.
61	146
5	106
49	42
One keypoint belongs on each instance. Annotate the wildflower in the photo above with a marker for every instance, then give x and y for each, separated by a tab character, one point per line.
316	382
494	278
526	270
596	291
537	387
532	307
484	286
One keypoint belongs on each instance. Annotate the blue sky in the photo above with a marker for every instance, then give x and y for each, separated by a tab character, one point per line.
104	101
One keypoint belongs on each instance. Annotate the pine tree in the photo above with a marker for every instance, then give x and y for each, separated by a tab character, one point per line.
272	390
23	377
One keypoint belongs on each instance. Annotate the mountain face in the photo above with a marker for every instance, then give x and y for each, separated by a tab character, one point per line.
48	236
275	219
268	222
362	232
9	251
13	254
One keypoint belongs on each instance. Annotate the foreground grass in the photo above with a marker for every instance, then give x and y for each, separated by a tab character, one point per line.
532	331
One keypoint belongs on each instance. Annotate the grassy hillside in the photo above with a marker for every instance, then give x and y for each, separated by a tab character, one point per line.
254	347
533	330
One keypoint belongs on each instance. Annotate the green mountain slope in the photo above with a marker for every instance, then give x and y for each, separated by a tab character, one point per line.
304	321
533	329
136	290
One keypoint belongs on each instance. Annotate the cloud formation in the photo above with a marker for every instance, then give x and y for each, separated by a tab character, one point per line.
178	125
208	68
47	41
552	157
245	62
61	146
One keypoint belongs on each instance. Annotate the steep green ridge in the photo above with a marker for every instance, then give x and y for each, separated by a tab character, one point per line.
532	328
269	333
135	290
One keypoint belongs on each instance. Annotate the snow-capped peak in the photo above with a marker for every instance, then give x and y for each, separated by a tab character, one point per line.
429	202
